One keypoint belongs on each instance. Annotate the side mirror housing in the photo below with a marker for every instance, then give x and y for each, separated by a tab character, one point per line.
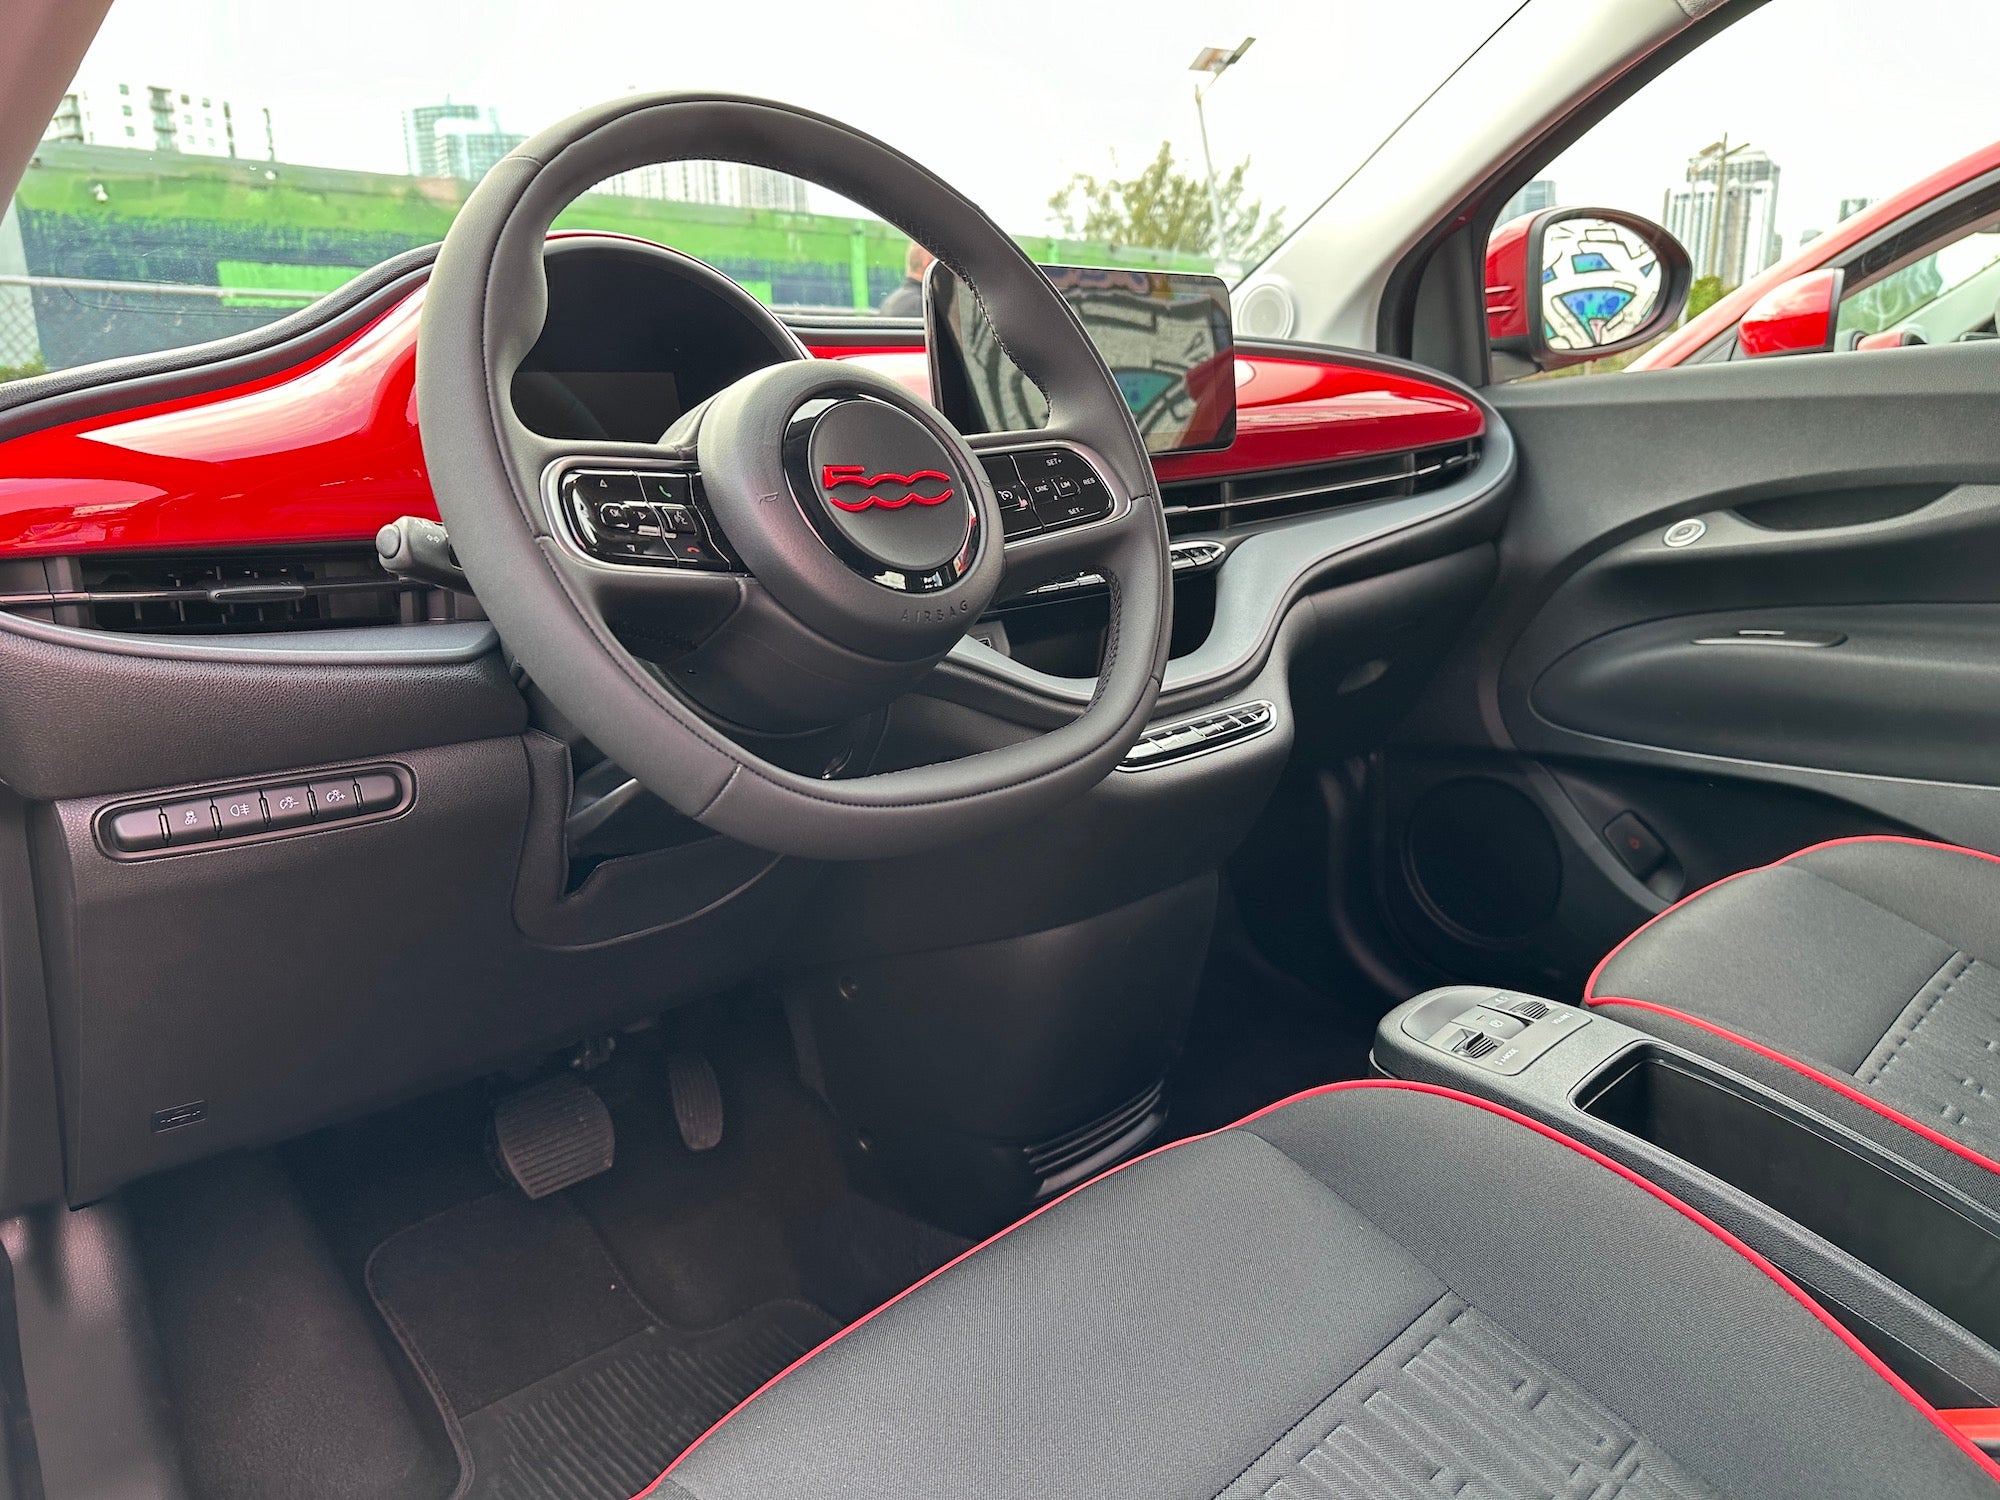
1794	317
1569	285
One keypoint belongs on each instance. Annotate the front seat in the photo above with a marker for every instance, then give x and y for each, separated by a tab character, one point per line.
1372	1290
1868	966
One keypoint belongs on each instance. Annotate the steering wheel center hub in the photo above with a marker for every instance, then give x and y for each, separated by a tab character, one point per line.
885	495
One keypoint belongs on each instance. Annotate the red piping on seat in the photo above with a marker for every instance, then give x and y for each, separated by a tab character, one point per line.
1590	984
1847	1090
1958	1439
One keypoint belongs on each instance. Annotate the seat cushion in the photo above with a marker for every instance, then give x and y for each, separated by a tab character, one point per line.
1376	1289
1872	962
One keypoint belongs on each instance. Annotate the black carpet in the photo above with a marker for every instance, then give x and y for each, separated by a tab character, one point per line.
562	1384
280	1381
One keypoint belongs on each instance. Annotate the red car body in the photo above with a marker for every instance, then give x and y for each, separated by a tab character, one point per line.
1698	332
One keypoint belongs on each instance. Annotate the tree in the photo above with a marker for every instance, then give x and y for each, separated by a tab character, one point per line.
1702	295
1165	208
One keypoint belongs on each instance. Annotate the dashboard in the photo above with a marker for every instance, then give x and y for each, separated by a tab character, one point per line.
187	544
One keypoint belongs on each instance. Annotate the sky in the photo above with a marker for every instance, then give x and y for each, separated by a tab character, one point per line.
1006	98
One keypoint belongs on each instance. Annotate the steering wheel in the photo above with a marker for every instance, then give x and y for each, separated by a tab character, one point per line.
860	533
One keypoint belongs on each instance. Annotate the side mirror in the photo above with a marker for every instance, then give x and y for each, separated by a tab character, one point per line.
1569	285
1794	317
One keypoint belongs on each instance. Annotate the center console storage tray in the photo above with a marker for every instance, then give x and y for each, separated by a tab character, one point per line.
1942	1252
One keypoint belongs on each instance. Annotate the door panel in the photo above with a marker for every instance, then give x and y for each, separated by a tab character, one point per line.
1851	501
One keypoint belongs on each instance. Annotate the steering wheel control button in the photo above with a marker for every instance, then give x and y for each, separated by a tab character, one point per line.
883	491
1058	488
631	516
137	829
288	806
240	813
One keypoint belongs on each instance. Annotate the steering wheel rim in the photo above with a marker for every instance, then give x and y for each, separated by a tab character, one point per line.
484	309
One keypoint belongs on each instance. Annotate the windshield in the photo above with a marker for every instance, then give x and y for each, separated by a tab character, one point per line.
216	165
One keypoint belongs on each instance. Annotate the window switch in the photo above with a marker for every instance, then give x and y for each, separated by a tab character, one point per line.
1638	848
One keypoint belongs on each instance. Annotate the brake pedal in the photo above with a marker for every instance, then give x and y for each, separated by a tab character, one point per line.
552	1135
697	1095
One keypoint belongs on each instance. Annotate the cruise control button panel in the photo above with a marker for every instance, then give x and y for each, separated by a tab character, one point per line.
251	811
1045	489
642	516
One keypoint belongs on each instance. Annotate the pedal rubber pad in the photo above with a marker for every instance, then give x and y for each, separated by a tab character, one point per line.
697	1100
552	1135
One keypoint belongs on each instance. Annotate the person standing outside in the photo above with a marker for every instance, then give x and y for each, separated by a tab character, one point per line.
906	299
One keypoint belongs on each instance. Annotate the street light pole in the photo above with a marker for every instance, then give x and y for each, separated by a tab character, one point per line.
1215	61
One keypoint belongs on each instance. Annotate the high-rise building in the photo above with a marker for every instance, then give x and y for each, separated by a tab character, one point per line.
455	140
1739	237
1849	207
726	184
154	117
1532	199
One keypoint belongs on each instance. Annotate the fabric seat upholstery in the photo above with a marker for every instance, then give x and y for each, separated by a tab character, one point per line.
1871	964
1376	1289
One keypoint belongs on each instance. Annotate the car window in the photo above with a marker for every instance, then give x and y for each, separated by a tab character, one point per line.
203	176
1803	165
1946	295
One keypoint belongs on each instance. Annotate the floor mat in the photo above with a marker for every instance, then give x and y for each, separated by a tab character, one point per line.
561	1383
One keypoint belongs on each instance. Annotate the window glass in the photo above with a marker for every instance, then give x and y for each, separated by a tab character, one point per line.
1808	123
1944	296
264	171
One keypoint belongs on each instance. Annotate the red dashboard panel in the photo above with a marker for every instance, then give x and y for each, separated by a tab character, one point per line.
329	451
325	452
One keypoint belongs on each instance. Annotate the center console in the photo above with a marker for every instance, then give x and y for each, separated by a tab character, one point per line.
1910	1264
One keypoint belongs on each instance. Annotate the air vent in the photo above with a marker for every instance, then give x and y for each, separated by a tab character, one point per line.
1074	1155
1213	505
224	592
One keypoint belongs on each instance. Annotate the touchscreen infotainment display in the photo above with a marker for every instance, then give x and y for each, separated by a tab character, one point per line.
1166	336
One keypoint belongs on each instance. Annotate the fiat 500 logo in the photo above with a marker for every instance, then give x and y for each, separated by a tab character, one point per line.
925	487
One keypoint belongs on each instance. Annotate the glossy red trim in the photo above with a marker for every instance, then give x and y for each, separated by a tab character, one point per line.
1296	411
1794	317
835	476
1291	412
1716	319
1506	280
325	452
1958	1439
329	451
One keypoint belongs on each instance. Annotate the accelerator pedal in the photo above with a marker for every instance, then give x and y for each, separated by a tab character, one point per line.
697	1097
552	1135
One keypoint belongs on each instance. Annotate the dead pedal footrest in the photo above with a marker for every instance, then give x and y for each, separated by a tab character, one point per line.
552	1135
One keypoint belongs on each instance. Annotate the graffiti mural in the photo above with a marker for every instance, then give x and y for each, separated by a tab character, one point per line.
1600	283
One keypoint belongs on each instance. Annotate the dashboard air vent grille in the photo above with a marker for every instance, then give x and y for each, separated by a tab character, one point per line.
1213	505
223	592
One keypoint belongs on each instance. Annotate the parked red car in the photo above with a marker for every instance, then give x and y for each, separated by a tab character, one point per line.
1842	291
